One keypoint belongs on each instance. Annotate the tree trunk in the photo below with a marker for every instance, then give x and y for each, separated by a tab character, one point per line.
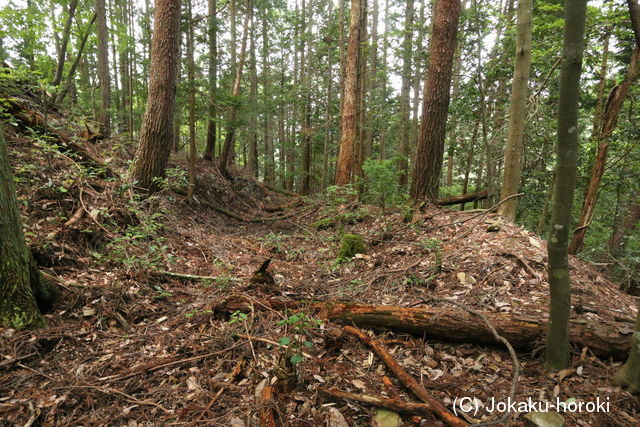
622	231
629	374
612	111
252	163
225	154
62	52
269	162
517	110
348	116
69	81
558	350
103	69
23	291
191	81
403	130
209	151
156	132
442	46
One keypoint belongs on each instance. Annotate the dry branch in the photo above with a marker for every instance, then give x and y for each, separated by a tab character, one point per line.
408	381
266	413
398	406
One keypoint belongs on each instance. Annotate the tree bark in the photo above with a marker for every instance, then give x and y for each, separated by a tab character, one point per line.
605	339
225	154
517	110
62	52
611	113
104	117
69	81
403	130
252	164
156	132
209	151
348	117
23	291
442	46
191	80
558	349
269	162
622	231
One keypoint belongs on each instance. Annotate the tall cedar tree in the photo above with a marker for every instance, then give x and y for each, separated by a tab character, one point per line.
435	105
407	51
209	151
517	110
156	132
558	349
349	102
23	292
103	69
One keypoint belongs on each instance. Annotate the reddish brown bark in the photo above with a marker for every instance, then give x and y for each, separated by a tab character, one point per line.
348	128
623	230
435	106
156	132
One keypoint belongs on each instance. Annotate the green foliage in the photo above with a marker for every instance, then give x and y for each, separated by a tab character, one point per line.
382	187
298	325
237	316
350	245
339	195
273	241
141	246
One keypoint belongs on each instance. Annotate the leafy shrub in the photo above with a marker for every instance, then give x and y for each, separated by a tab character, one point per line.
382	182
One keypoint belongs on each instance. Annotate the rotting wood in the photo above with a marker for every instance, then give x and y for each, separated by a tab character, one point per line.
395	405
267	418
603	338
464	198
416	388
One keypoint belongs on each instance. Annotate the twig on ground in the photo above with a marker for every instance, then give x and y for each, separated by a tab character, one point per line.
498	337
416	388
380	401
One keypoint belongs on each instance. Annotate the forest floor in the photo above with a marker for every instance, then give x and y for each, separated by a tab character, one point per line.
128	344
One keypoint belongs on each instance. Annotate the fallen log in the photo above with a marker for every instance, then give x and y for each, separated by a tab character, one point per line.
469	197
604	338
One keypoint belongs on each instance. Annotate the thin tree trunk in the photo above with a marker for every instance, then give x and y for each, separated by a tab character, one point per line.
252	163
209	151
191	81
104	117
623	230
69	82
62	52
269	162
517	110
558	350
404	133
611	113
225	155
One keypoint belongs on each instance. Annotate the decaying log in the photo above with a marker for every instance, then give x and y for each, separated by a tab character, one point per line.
416	388
603	338
469	197
395	405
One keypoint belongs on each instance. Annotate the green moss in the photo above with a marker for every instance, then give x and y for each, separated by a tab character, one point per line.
350	245
346	218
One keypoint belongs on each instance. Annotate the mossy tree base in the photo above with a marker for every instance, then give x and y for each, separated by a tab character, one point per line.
350	245
23	291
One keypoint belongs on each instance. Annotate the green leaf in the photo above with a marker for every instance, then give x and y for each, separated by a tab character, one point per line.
284	340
